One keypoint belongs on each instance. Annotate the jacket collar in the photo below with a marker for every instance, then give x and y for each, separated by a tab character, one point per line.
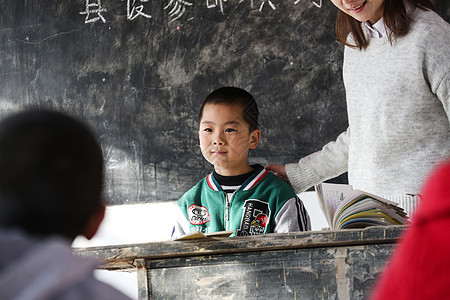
248	184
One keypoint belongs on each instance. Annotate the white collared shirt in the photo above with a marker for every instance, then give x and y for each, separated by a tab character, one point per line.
377	30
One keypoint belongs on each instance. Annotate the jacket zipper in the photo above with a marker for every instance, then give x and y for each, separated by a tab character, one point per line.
227	209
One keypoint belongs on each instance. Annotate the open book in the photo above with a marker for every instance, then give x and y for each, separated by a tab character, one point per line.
344	207
201	235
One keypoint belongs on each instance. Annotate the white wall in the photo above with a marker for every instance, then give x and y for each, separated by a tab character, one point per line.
143	223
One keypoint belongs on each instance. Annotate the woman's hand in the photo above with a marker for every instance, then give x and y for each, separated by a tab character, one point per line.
280	171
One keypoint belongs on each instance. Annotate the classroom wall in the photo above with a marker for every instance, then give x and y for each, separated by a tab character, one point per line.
137	72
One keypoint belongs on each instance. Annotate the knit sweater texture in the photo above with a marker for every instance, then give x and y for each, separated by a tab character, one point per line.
398	102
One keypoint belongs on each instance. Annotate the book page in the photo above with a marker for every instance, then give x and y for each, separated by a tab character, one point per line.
201	235
364	205
330	196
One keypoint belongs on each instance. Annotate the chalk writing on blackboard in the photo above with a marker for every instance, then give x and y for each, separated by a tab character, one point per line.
270	3
216	3
94	9
219	4
319	5
178	8
134	11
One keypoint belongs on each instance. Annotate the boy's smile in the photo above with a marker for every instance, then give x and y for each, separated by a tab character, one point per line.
225	138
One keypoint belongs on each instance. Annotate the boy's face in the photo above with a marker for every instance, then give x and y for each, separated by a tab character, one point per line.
225	138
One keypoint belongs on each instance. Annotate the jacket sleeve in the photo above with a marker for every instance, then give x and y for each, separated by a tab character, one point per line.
181	226
322	165
292	217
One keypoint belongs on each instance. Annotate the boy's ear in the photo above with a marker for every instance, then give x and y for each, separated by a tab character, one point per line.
94	222
255	135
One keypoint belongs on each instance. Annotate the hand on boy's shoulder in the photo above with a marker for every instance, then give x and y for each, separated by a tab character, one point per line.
279	171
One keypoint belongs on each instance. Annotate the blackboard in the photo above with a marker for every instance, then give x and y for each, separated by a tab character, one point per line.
138	70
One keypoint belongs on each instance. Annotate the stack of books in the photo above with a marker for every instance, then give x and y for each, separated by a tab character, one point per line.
345	207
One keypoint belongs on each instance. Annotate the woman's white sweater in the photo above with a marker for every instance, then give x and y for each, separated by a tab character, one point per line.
398	102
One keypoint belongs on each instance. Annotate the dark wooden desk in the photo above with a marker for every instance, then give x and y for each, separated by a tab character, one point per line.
312	265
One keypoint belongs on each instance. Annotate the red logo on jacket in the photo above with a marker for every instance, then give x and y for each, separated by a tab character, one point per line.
198	214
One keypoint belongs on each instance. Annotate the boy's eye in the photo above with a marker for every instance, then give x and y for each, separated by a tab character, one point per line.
230	130
207	129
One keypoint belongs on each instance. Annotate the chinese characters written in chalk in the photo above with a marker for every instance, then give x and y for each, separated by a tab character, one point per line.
175	9
93	12
135	10
253	3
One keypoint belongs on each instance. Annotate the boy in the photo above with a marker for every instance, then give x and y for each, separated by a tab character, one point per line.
236	196
51	181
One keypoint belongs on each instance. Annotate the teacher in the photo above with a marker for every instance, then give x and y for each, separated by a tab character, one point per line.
397	79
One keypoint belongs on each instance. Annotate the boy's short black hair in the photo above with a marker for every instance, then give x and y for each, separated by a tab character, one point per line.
234	95
51	173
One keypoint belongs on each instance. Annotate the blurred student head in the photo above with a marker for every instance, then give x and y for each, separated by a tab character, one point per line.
51	175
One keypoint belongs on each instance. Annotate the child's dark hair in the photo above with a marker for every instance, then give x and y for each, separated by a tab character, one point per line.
234	95
51	173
